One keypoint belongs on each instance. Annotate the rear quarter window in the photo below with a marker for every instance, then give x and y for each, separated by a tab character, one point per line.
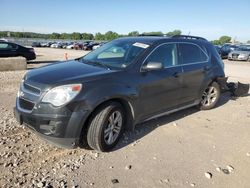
191	53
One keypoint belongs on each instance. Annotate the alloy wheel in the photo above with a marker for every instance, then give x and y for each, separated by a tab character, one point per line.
209	96
113	128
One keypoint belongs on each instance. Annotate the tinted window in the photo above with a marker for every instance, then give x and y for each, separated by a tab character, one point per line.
7	46
3	45
190	53
166	54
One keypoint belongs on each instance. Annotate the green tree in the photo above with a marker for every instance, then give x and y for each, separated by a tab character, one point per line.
76	36
174	32
55	36
133	33
99	36
87	36
65	36
225	39
248	42
110	35
216	42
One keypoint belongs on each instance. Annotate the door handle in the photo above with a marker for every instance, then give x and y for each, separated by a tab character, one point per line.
176	75
206	68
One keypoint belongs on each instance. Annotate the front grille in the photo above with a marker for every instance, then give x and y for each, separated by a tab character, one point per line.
27	105
31	89
235	55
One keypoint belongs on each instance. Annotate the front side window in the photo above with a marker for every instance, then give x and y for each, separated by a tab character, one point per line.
166	54
190	53
115	54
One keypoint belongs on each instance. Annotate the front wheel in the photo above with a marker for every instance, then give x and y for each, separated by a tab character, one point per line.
210	96
106	127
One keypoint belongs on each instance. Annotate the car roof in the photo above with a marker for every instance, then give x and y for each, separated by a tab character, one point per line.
153	39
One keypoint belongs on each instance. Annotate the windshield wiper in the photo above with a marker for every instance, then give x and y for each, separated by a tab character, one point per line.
97	63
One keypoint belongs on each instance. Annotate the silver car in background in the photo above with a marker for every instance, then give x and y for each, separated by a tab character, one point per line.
241	53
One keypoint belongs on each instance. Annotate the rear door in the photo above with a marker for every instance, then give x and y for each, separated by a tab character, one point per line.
159	90
195	64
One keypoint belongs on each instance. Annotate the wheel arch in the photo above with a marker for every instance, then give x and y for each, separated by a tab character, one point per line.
129	111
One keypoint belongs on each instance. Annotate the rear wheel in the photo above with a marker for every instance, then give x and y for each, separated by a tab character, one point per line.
210	96
106	127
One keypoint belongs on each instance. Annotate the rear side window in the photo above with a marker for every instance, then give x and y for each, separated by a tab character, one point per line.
190	53
166	54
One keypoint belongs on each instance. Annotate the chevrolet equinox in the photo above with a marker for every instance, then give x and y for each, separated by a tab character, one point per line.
93	99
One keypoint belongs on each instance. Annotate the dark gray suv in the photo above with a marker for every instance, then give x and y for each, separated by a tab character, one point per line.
93	99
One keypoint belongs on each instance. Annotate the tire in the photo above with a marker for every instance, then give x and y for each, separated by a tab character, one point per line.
210	96
103	132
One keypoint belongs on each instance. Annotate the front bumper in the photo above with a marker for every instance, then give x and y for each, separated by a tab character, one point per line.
238	58
62	127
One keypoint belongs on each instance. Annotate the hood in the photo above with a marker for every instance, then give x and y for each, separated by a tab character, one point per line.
240	52
65	72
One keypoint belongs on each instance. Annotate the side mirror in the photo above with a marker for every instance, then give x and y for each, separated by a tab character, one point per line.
152	66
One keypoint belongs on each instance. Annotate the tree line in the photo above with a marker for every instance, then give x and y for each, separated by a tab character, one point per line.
110	35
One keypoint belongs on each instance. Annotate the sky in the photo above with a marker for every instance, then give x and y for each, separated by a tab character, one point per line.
207	18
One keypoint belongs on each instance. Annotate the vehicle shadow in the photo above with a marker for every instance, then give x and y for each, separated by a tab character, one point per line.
145	128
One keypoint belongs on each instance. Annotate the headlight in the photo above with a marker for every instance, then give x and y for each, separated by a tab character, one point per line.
61	95
243	55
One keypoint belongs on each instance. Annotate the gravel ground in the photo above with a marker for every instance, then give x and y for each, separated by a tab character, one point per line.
189	148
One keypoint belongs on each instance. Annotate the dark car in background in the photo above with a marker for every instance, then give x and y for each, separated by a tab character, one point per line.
127	81
36	44
90	45
8	49
226	49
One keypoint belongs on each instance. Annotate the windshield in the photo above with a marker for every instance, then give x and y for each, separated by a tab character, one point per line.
243	48
115	54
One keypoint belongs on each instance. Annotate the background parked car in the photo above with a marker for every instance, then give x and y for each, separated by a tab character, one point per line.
46	44
99	45
240	53
56	45
90	45
218	48
8	49
226	49
70	46
36	44
78	46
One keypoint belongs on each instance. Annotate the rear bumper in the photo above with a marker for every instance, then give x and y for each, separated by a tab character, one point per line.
61	130
31	57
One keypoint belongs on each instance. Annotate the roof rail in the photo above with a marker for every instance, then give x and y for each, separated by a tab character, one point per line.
189	37
150	35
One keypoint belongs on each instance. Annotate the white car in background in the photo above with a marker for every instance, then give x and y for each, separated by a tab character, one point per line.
71	46
241	53
99	45
56	45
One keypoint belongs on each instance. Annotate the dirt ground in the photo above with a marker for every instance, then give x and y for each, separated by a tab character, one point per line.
189	148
